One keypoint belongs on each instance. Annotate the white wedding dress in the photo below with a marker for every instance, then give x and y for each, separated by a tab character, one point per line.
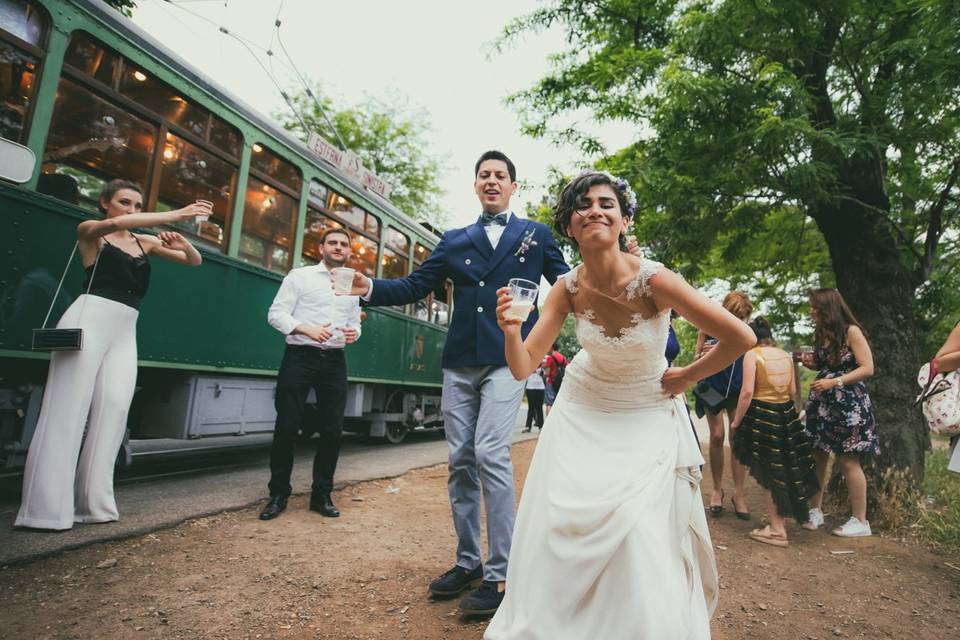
611	540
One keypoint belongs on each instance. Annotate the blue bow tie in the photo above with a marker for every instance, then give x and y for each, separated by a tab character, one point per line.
489	218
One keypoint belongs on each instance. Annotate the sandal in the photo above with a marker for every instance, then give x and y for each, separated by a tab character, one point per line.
767	536
743	515
717	509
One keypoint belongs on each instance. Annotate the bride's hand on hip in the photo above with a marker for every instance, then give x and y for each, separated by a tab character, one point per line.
504	300
674	381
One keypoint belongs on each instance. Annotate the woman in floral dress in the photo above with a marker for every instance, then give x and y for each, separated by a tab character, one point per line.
839	412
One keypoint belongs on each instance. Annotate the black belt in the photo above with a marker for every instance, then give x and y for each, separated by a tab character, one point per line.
315	351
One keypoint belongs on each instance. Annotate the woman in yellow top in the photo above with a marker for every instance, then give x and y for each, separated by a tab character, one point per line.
770	439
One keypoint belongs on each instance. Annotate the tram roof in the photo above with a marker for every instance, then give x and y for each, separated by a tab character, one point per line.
148	43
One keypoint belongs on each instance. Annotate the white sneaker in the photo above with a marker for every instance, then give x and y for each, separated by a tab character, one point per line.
814	520
853	528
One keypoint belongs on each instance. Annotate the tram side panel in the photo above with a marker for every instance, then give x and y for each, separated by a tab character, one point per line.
208	358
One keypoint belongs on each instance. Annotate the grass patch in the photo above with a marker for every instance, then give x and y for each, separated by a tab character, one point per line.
940	514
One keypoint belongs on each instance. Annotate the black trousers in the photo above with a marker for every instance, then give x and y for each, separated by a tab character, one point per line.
325	372
534	407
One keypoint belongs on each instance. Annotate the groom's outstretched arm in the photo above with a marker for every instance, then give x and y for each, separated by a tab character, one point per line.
418	285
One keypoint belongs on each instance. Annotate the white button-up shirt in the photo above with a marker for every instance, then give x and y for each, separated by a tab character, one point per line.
306	297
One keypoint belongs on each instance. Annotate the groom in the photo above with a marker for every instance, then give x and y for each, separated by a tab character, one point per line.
481	399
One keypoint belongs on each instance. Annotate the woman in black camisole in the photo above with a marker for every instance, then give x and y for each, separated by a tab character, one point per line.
94	386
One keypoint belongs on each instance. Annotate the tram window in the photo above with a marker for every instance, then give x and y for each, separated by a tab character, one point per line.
364	255
268	217
17	82
96	138
420	254
19	58
189	173
21	20
345	209
273	166
162	100
225	137
398	242
372	225
318	194
91	58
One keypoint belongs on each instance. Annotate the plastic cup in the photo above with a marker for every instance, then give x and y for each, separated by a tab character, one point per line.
524	294
343	280
201	219
800	352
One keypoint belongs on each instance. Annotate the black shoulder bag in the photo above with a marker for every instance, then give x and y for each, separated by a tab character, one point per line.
56	339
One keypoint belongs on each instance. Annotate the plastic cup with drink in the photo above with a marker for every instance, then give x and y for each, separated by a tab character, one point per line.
802	354
524	294
343	280
203	218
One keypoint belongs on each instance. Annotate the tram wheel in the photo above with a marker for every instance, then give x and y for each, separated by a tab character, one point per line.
396	432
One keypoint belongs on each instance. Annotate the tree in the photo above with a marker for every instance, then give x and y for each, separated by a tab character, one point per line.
390	138
125	7
804	121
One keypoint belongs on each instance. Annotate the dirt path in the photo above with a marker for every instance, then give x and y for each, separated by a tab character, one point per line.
364	577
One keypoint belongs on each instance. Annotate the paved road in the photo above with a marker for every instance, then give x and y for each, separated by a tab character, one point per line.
166	496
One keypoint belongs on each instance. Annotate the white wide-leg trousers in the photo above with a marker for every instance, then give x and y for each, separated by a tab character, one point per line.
61	483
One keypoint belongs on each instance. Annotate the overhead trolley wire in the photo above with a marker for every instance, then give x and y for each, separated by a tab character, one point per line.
247	44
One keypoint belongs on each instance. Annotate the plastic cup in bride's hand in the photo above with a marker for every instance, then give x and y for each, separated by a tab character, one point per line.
524	294
343	280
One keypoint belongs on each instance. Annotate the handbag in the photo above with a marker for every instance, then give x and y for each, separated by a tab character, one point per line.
939	399
55	338
710	397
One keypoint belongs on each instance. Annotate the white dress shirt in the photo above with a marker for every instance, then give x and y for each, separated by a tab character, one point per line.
493	231
306	297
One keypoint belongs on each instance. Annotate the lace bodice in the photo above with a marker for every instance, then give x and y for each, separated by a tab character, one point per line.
623	340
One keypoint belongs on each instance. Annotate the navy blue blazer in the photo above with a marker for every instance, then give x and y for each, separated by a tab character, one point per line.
466	257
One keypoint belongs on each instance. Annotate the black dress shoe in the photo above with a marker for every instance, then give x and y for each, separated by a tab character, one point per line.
456	580
274	507
324	506
483	601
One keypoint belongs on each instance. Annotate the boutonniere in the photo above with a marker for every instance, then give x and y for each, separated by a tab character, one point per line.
526	243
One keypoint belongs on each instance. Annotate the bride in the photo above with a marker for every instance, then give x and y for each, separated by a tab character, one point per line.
611	541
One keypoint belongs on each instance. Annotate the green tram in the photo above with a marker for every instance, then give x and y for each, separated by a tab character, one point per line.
94	98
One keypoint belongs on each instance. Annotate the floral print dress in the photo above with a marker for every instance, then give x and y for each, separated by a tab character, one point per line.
840	420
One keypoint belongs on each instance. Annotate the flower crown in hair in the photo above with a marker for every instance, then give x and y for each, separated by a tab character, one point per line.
620	185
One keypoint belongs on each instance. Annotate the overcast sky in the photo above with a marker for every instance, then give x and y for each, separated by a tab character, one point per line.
435	52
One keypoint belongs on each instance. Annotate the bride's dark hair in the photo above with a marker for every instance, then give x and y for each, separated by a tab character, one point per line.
576	190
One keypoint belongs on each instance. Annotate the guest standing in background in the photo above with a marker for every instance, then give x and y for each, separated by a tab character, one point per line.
839	411
726	382
769	438
554	364
534	393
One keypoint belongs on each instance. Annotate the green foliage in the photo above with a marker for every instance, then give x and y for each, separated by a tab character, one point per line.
569	345
760	124
940	517
125	7
389	135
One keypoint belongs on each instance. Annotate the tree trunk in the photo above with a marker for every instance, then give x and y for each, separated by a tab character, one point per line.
877	287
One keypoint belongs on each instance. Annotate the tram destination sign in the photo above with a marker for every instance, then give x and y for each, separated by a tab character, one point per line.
349	163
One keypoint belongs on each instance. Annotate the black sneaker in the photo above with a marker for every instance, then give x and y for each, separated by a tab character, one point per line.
482	601
456	580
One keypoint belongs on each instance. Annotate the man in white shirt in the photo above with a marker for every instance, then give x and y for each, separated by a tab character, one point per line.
318	324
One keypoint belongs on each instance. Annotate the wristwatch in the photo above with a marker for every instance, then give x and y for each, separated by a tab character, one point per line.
839	382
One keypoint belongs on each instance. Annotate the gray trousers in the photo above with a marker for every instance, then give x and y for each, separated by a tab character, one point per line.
480	406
